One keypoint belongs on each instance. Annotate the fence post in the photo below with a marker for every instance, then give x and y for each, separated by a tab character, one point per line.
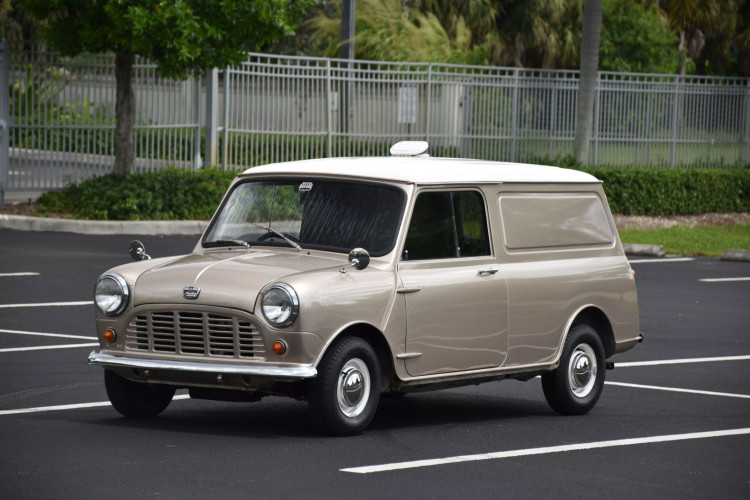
197	160
745	151
675	117
514	118
4	119
329	111
597	107
427	104
212	116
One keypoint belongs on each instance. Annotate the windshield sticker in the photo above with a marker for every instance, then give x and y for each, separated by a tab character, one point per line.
306	186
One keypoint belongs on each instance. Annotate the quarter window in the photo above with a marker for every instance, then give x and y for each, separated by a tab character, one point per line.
447	224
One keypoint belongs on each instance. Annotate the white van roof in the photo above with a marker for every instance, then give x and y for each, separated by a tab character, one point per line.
425	170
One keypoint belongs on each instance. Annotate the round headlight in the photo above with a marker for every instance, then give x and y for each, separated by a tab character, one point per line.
111	294
280	304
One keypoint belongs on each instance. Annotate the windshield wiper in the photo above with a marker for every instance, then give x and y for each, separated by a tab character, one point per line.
226	243
293	243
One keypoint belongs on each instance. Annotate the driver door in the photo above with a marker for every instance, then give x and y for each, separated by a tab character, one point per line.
456	298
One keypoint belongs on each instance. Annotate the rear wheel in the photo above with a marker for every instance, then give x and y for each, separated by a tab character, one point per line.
575	386
345	394
133	399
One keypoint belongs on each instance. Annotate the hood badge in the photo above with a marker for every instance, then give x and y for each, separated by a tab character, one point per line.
191	292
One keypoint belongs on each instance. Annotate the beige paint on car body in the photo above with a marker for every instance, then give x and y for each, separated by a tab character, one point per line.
551	259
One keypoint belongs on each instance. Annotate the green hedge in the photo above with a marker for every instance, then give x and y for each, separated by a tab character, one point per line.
179	194
674	191
170	194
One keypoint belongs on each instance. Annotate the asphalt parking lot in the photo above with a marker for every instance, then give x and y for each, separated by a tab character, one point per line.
673	421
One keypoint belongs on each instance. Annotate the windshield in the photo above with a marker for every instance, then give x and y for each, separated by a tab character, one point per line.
314	213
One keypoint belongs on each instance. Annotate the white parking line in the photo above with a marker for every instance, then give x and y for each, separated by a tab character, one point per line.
676	389
40	409
662	260
41	334
9	275
47	347
659	362
49	304
545	450
716	280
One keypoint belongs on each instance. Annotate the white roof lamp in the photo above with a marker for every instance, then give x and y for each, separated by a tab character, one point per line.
410	148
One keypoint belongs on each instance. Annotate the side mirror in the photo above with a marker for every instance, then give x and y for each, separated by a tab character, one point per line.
359	258
137	251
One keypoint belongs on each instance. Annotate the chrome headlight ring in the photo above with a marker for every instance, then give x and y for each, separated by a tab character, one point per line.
279	304
111	294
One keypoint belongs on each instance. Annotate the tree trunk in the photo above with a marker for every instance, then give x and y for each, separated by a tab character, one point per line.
592	27
682	50
124	113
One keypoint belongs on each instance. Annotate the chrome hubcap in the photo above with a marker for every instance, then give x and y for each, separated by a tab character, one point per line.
582	370
353	389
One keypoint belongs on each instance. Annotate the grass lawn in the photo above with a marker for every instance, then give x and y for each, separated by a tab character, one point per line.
699	240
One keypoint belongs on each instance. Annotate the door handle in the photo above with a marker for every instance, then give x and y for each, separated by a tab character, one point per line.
483	272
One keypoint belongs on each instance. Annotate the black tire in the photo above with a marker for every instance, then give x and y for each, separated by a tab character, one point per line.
345	394
133	399
575	386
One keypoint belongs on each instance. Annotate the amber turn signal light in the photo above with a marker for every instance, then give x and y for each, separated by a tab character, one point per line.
109	335
279	347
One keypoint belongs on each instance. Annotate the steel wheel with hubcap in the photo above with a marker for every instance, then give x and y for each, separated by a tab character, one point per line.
344	396
575	386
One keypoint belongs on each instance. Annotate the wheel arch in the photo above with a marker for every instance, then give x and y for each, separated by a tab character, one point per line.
598	320
377	340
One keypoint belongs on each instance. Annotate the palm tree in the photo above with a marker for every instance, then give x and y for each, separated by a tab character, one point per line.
592	27
691	19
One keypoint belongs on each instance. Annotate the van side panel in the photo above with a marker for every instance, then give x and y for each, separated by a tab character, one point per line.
554	220
559	250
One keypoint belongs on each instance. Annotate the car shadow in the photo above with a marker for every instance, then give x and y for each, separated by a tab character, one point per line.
275	417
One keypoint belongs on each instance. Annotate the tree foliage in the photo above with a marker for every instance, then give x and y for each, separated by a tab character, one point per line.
180	36
635	38
384	32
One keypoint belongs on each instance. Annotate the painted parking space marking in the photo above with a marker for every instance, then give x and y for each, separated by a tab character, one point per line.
677	389
78	406
11	275
42	334
630	364
719	280
49	304
663	260
546	450
48	347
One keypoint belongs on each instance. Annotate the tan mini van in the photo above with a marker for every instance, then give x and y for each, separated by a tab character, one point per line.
458	272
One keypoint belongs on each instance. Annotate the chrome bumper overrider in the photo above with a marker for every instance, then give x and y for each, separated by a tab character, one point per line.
276	372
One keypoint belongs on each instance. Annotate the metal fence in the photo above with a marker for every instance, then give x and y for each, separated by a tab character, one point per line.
58	115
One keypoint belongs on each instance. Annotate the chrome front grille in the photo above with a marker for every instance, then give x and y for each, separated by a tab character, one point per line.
194	333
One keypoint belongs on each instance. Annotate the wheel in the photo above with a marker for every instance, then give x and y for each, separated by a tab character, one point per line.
345	394
575	386
132	399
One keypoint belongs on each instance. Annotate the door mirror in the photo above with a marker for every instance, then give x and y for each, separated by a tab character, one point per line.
359	258
138	251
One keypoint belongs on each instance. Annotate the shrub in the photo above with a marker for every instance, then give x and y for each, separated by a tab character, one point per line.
174	194
674	191
170	194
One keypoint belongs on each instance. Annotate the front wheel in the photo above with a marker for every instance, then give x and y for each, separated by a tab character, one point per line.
575	386
345	394
133	399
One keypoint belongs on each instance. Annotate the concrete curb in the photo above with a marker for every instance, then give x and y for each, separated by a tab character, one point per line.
738	255
96	227
643	250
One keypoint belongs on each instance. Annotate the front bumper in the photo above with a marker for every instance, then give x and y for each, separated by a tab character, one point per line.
274	372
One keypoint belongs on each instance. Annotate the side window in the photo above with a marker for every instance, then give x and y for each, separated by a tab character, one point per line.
447	224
